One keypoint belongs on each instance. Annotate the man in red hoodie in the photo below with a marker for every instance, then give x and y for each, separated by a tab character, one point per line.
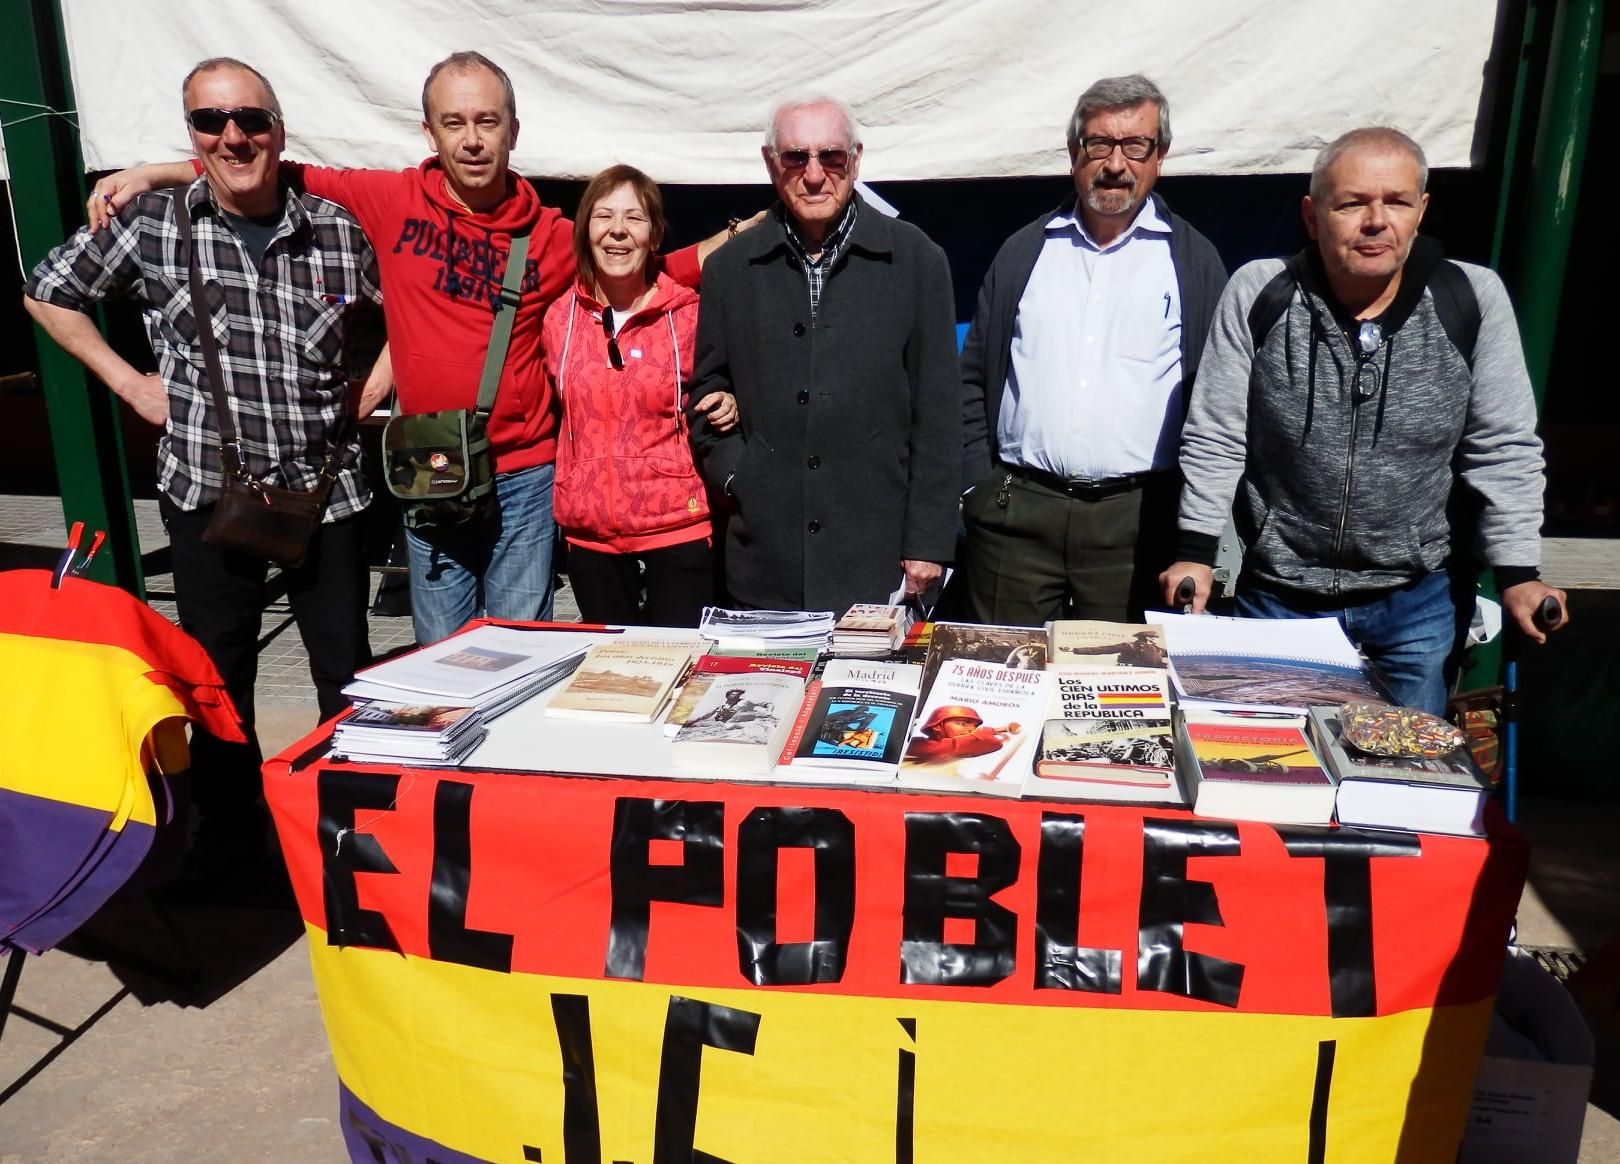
442	232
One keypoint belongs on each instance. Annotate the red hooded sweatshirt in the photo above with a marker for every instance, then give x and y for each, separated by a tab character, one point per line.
441	268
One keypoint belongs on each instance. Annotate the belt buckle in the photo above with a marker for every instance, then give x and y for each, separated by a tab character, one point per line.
1086	487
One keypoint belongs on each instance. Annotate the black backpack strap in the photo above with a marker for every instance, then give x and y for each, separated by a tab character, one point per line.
1273	300
1457	306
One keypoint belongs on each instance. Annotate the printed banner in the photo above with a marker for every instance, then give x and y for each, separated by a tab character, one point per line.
525	967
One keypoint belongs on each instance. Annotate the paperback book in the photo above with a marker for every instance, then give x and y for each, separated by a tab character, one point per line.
712	668
740	724
857	725
1116	692
1445	794
624	681
1091	643
978	729
1254	771
1124	760
1018	648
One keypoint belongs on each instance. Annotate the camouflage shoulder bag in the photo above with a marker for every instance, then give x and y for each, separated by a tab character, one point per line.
439	464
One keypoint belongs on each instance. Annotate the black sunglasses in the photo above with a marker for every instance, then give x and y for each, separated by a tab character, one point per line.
250	119
615	356
833	161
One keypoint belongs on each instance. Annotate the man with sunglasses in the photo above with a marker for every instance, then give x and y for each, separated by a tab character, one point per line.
284	271
1345	417
833	327
1086	336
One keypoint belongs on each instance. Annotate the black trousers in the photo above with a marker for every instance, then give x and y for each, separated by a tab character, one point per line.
679	582
220	596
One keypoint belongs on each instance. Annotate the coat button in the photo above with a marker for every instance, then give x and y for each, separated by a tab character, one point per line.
814	462
798	329
804	398
814	527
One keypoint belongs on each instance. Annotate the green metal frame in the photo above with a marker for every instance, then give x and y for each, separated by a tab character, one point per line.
47	195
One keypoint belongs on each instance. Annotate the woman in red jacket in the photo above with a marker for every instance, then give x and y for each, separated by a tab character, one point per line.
618	352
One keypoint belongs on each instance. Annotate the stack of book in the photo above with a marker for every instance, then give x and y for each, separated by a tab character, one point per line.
747	632
423	735
870	630
490	668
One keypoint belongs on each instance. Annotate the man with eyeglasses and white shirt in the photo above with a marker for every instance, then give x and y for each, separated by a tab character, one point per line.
833	325
1075	372
1367	402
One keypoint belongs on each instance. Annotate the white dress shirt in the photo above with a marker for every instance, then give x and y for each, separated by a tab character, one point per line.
1094	375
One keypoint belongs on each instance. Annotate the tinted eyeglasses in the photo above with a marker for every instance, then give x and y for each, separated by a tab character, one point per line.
833	161
615	356
1137	149
250	119
1369	338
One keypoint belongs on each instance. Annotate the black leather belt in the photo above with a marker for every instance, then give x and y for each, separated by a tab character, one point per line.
1083	488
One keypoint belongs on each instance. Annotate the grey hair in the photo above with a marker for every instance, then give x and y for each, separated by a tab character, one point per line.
1373	136
212	64
808	101
1119	93
465	62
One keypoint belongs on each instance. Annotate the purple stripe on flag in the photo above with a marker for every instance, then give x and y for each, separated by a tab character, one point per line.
370	1138
45	845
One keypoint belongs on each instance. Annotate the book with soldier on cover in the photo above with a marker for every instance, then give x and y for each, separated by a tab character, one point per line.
740	724
978	729
1091	643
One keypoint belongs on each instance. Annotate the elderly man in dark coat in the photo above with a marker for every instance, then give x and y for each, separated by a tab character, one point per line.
833	325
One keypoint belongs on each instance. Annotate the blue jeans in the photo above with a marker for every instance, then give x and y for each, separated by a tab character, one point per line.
500	567
1412	635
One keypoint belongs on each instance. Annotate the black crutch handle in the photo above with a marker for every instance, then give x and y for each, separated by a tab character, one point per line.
1549	614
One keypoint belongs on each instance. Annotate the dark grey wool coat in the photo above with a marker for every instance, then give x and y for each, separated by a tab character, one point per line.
850	443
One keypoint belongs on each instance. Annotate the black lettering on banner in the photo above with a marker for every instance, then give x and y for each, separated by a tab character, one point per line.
1316	1152
698	880
931	897
905	1106
830	836
449	939
582	1128
345	852
1170	899
690	1026
1347	894
1061	963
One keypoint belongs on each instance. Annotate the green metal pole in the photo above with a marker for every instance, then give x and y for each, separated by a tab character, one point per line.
1536	214
47	197
1537	282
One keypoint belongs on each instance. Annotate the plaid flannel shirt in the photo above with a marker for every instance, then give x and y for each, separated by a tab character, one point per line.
280	329
816	270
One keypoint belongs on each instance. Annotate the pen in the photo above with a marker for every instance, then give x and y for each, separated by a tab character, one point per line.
1167	305
337	300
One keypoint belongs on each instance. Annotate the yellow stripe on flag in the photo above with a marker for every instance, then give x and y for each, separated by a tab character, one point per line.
472	1059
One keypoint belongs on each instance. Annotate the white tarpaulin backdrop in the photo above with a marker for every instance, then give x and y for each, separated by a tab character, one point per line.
944	88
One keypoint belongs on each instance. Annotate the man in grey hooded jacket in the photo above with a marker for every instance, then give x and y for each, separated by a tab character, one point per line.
1345	425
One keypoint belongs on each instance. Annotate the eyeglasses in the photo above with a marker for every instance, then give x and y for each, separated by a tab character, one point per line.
615	356
833	161
1137	149
1369	338
250	119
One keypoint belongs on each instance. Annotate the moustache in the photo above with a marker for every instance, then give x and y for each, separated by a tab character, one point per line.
1114	182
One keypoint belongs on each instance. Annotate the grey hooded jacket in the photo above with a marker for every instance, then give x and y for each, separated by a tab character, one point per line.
1335	497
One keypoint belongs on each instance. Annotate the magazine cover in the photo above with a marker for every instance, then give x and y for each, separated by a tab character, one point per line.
1092	643
978	729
